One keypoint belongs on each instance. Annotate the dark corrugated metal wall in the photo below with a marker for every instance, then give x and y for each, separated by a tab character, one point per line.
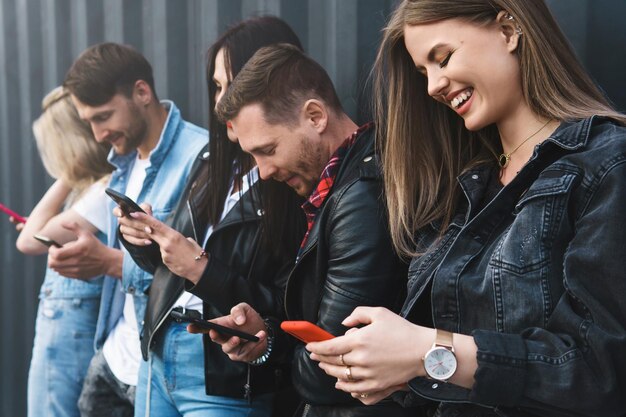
40	38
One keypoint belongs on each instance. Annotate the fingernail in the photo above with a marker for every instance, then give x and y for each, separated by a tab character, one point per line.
239	320
147	230
147	242
134	214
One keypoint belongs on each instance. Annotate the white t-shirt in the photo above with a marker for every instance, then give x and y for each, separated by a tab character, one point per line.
92	206
187	299
122	349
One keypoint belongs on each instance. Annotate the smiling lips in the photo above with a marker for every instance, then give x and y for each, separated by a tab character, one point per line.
461	98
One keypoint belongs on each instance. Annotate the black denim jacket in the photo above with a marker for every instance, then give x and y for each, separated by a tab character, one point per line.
538	277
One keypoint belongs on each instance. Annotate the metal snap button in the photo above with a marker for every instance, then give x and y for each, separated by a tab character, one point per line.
435	386
367	159
205	155
474	177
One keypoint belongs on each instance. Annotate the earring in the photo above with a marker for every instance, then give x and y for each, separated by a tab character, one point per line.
518	28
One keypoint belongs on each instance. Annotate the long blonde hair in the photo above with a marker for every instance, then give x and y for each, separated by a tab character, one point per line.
66	144
425	145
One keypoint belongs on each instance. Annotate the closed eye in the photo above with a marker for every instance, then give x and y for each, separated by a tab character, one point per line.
445	61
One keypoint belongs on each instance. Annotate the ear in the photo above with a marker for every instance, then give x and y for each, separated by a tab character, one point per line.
315	114
142	92
510	30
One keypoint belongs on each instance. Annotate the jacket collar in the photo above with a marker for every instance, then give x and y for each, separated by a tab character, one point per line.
173	123
359	162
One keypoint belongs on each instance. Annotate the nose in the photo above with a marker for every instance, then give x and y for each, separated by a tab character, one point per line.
98	133
437	85
266	170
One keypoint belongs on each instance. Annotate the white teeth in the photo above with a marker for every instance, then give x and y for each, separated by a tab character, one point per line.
458	100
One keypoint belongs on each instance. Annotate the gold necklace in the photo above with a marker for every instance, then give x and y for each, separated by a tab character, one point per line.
504	158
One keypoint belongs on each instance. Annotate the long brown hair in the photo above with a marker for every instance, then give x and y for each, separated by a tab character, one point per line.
283	221
425	145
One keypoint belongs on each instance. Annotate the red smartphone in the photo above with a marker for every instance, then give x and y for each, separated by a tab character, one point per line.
12	213
305	331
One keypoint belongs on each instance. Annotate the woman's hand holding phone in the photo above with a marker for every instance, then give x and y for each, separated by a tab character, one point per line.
183	256
132	229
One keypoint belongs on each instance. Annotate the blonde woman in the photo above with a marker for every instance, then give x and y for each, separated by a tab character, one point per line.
516	287
68	308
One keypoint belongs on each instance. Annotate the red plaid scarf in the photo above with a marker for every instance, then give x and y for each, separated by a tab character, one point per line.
312	205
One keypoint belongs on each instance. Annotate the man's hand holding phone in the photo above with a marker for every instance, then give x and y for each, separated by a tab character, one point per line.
85	257
244	318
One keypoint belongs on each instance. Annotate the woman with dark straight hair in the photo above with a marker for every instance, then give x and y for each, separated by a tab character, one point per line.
231	239
505	177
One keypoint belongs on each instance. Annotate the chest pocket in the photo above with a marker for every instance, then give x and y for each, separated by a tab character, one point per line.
523	266
538	217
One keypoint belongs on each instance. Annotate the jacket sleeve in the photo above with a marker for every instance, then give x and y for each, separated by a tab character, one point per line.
576	365
363	270
223	286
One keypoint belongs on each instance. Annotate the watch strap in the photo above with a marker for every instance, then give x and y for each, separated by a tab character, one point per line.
444	338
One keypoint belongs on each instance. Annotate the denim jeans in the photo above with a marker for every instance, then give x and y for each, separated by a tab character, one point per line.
104	395
63	347
173	380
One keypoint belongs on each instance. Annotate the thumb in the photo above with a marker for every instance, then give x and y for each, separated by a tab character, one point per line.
360	315
147	208
74	228
239	313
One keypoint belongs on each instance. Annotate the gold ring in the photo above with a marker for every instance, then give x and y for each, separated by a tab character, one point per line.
363	395
341	360
349	373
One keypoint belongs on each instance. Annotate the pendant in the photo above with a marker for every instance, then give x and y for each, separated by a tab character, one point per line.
503	160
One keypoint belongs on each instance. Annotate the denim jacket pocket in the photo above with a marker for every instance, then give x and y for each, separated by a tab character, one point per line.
521	266
549	183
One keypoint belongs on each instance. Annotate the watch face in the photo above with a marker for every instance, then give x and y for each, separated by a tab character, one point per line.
440	363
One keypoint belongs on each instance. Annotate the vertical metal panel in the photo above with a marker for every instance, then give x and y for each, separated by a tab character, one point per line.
40	38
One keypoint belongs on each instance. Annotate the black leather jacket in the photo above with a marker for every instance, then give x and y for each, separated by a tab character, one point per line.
239	270
348	261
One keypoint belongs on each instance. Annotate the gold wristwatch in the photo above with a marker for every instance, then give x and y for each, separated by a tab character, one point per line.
440	361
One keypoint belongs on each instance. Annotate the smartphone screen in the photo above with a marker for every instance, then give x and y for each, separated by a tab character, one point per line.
214	326
47	241
126	204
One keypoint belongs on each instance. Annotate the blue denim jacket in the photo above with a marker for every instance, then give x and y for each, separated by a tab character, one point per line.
170	163
538	277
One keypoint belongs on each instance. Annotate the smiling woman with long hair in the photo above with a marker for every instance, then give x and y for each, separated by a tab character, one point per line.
505	177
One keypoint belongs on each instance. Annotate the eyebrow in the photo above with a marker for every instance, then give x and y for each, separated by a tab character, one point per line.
434	50
431	55
98	115
261	147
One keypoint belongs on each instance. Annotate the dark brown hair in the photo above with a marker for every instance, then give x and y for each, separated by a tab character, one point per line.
283	216
106	69
280	78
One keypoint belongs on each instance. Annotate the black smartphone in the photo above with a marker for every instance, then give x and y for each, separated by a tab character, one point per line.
126	204
210	325
47	241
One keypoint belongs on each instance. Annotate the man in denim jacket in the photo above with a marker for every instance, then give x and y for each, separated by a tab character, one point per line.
112	88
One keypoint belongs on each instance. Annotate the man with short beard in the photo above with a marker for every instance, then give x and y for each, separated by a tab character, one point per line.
285	112
153	149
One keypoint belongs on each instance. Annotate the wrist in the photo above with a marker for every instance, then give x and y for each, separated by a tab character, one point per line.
113	262
269	345
201	261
